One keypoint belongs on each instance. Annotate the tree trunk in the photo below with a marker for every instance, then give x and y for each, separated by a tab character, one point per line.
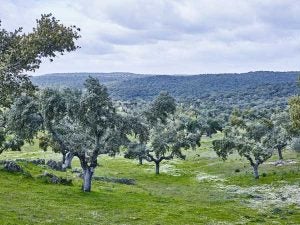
280	153
63	157
255	171
87	179
156	168
140	160
68	160
208	134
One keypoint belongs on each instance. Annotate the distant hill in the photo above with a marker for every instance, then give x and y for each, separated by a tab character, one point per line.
77	79
240	90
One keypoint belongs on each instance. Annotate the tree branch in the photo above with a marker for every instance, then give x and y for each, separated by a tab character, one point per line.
250	160
171	156
150	158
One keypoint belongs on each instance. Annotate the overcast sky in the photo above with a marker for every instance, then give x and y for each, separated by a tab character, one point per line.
170	36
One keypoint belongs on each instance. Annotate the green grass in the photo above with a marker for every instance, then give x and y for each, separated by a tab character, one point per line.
173	197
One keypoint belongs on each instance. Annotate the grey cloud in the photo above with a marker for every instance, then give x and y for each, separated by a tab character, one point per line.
280	14
174	36
96	48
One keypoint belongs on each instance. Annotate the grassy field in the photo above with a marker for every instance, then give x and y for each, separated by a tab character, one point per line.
200	190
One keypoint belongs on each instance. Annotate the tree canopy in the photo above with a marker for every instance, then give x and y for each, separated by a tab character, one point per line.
23	52
168	134
250	137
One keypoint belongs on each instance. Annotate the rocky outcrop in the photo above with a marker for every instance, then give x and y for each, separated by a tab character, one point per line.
55	165
127	181
53	179
12	166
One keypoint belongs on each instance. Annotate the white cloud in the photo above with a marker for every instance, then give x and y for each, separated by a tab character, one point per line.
170	36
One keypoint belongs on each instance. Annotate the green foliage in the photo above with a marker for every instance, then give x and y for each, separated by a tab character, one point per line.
20	53
222	92
168	133
24	118
223	147
252	138
294	109
12	143
46	141
163	106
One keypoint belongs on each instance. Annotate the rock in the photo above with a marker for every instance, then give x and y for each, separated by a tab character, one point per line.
51	178
279	163
127	181
55	165
76	170
21	160
34	161
11	166
254	196
37	161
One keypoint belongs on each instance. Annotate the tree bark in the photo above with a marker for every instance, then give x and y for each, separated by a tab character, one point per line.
87	179
255	171
156	168
67	163
63	157
280	153
208	134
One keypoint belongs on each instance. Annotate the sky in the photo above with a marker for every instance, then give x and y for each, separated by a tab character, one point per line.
169	36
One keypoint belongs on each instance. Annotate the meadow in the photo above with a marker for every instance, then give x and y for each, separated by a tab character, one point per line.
202	189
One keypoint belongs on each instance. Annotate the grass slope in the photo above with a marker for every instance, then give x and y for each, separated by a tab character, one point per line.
201	190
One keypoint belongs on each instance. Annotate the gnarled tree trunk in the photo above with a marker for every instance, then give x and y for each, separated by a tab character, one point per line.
87	179
68	160
88	171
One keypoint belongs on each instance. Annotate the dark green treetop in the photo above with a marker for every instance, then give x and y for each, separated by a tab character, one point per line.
23	52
